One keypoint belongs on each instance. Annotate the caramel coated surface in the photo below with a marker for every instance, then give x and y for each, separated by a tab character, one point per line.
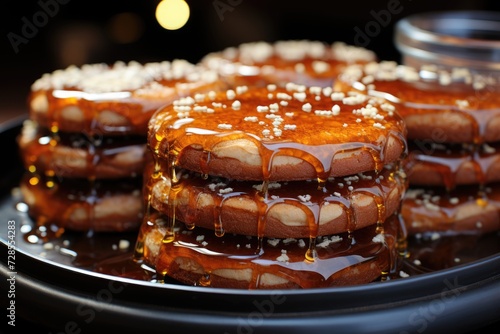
113	99
254	127
444	106
198	257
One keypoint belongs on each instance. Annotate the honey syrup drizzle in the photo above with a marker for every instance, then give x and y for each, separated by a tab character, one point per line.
266	199
329	264
169	138
133	108
479	105
200	133
448	160
434	209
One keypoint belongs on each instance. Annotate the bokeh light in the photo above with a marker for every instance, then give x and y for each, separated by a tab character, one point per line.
125	27
172	14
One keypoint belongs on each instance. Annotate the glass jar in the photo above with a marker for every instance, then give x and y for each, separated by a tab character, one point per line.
469	39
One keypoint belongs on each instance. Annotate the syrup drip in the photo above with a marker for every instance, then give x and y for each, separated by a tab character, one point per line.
175	138
179	136
174	190
132	108
421	98
149	181
192	190
449	160
443	211
323	266
51	154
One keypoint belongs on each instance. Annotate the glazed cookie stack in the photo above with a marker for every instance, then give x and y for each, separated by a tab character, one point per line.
274	187
84	143
453	120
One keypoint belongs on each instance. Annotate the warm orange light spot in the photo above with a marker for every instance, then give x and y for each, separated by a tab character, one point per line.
34	181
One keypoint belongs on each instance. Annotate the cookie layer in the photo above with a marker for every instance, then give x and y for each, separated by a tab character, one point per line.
443	106
306	62
465	209
113	99
277	209
432	164
80	205
198	257
76	155
273	133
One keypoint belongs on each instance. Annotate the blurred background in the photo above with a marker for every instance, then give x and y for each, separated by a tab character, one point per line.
41	36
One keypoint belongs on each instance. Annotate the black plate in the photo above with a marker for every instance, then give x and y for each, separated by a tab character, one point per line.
56	295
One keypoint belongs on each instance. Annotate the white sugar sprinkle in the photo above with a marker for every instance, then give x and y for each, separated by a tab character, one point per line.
224	126
236	105
307	107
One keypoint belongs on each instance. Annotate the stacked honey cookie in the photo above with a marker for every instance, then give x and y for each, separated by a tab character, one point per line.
307	62
274	187
84	143
453	120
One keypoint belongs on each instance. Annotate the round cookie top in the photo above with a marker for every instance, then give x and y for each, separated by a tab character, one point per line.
301	61
278	133
113	99
440	105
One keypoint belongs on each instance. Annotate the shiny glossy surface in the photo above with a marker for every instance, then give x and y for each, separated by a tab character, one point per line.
315	134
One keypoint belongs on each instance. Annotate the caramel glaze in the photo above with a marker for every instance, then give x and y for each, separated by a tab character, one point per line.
198	257
131	112
468	209
76	155
450	165
76	204
178	130
276	70
251	208
453	113
239	67
481	113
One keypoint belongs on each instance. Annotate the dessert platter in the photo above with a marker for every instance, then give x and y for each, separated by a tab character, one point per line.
285	186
